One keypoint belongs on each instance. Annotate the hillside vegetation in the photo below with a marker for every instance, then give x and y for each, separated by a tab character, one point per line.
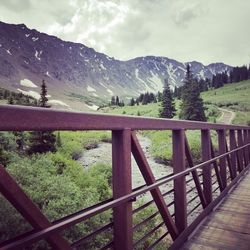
235	97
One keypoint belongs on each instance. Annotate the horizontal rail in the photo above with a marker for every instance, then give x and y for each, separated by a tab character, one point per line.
149	233
114	203
157	241
91	235
20	118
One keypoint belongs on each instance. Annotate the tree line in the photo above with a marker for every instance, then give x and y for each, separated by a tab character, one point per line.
17	98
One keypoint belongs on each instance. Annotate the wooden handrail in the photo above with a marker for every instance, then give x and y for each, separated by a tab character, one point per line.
14	118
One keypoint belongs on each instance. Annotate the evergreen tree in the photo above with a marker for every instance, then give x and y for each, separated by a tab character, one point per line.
42	141
117	101
168	107
11	100
43	101
132	102
112	103
192	105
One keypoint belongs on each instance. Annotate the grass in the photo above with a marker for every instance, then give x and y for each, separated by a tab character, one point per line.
235	97
150	110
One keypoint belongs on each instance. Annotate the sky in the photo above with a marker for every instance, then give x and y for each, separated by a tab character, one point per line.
186	30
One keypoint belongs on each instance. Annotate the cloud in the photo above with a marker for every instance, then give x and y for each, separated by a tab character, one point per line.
206	31
16	4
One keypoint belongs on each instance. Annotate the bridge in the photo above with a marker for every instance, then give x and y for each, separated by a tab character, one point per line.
216	216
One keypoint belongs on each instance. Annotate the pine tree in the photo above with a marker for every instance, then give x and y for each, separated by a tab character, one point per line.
117	101
43	101
192	107
11	100
112	103
168	107
42	141
132	102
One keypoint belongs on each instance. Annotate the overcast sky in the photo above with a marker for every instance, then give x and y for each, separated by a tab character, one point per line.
202	30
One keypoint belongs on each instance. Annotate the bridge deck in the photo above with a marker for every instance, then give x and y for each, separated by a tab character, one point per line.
228	227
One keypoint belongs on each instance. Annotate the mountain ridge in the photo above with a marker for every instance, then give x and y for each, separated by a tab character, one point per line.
72	69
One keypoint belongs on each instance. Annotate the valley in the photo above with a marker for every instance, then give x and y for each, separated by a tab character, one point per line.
80	78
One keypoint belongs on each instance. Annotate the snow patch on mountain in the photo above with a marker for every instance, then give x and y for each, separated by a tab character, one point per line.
35	39
8	51
102	66
157	83
58	102
90	89
28	83
110	91
31	93
48	74
93	107
38	54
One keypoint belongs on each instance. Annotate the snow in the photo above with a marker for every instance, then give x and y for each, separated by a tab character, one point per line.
110	91
27	35
48	74
146	87
102	84
93	107
182	68
95	95
90	89
81	54
58	102
0	45
157	66
102	67
8	51
70	48
28	83
26	62
30	93
137	74
202	74
38	54
34	39
171	74
158	86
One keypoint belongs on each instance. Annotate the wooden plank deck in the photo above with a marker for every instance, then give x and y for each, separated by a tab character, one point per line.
228	227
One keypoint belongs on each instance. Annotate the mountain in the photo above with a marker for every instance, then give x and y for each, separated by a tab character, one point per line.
77	74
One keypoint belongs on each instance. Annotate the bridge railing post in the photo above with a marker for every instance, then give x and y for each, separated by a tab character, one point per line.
241	152
206	171
180	200
122	185
222	150
233	155
246	152
248	141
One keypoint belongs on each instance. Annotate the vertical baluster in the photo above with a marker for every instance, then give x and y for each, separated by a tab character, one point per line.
240	152
122	185
233	155
179	183
246	153
222	150
248	141
206	155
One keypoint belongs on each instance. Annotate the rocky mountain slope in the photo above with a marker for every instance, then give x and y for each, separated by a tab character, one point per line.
75	73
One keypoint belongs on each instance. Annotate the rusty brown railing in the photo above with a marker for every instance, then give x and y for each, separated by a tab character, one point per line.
211	179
